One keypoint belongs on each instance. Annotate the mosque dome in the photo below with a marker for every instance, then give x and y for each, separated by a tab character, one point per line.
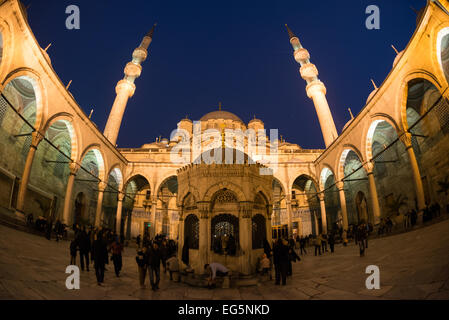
222	115
224	156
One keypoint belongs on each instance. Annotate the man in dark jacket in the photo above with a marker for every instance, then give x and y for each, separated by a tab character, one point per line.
84	245
154	265
280	257
331	241
100	255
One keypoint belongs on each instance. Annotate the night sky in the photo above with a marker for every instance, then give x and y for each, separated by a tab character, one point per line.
235	52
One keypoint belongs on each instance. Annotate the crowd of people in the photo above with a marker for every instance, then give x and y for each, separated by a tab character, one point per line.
151	253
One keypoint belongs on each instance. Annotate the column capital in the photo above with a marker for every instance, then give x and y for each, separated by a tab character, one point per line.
340	185
321	196
74	168
406	139
203	209
102	186
246	209
121	196
36	138
369	167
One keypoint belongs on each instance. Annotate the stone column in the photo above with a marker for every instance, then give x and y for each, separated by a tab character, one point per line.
36	138
344	211
406	139
323	213
245	235
315	221
289	215
181	234
101	187
74	167
268	224
153	218
203	252
369	167
118	219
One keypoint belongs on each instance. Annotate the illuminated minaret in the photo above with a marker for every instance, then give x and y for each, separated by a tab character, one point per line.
125	88
315	89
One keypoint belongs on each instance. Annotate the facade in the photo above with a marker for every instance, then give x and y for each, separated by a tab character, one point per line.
56	163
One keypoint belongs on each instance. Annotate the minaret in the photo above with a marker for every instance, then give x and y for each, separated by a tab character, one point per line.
125	88
315	89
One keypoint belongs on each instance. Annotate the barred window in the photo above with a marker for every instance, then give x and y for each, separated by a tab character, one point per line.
192	231
259	231
225	234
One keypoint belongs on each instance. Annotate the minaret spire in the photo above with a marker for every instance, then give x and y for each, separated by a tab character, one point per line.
125	88
315	89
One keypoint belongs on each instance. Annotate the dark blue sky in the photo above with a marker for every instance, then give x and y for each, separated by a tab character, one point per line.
236	52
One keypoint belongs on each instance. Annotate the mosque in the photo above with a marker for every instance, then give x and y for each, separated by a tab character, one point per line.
388	159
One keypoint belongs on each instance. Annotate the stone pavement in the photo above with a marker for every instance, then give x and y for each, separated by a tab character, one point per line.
413	265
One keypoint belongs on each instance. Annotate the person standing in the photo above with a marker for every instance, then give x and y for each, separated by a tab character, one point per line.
138	239
317	243
73	249
84	245
100	255
280	257
323	243
331	240
154	266
302	245
117	249
164	254
142	265
361	238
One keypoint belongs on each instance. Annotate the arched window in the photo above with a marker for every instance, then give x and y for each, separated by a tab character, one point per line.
259	231
225	234
192	231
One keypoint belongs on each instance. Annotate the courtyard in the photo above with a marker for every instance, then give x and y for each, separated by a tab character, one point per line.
413	265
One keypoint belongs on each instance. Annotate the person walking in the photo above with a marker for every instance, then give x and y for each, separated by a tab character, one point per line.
302	245
100	256
154	265
164	254
323	242
84	246
280	257
73	250
142	265
331	240
361	238
117	249
317	243
292	257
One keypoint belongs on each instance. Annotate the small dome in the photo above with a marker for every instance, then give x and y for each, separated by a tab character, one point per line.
47	57
348	123
255	120
371	95
225	115
398	57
